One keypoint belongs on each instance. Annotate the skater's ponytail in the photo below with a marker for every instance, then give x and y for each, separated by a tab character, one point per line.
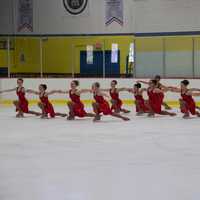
185	82
138	85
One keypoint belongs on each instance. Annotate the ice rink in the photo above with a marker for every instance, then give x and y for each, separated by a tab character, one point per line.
144	159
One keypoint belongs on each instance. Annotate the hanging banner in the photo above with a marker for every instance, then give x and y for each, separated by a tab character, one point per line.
114	12
24	15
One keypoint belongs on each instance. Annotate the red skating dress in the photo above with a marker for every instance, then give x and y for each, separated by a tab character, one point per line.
48	107
78	107
23	103
141	103
103	105
115	96
190	105
155	101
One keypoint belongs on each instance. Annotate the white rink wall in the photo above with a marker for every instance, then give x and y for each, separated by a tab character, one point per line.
64	84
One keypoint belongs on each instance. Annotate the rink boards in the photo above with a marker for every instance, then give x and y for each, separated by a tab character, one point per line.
64	84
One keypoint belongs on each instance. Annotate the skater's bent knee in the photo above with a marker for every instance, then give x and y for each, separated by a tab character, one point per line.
40	104
69	103
94	104
15	102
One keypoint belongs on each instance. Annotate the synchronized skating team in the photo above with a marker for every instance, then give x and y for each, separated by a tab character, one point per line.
153	105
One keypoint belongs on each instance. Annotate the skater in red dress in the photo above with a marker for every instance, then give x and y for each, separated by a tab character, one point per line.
22	103
187	103
44	104
140	103
116	101
76	107
155	101
101	105
159	86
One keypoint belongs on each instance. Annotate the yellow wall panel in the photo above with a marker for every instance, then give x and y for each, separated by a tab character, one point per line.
3	58
26	55
56	55
179	44
149	44
197	44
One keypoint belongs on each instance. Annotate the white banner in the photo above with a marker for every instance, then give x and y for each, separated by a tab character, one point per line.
24	15
114	12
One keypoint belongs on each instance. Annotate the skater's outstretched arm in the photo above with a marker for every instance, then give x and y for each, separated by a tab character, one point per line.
105	90
9	90
144	82
121	89
174	89
56	92
194	89
164	88
84	91
61	91
195	94
32	92
130	90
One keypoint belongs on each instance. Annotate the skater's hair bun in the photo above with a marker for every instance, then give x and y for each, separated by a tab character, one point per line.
44	86
158	77
76	82
20	79
138	85
185	82
114	81
97	84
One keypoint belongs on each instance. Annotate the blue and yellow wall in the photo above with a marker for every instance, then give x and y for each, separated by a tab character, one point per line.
61	55
170	56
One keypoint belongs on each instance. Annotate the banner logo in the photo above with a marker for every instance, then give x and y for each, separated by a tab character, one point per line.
25	16
75	7
114	12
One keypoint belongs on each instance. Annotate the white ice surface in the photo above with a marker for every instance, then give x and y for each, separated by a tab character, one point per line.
144	159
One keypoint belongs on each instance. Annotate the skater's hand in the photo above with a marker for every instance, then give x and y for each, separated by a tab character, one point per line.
144	82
